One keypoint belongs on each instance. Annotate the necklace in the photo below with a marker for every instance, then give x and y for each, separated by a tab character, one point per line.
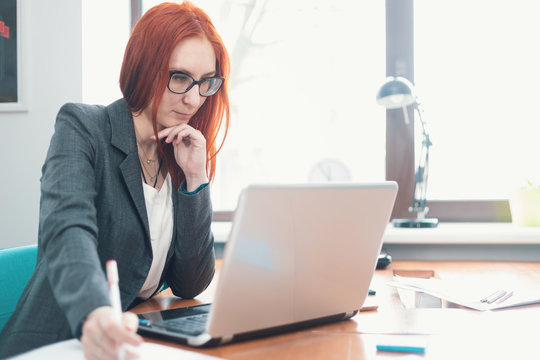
148	171
148	160
139	146
152	178
149	168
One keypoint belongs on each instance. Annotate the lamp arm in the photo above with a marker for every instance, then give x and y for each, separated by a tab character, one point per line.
421	175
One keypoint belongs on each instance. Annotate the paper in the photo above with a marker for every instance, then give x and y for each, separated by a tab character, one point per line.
72	350
469	294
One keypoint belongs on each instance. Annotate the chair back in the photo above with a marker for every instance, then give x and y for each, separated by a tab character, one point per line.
16	267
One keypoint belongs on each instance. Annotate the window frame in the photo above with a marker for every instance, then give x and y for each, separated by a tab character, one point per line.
136	11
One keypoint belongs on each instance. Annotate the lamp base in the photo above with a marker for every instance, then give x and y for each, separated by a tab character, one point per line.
416	223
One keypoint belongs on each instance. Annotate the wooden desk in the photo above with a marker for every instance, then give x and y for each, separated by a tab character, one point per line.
454	333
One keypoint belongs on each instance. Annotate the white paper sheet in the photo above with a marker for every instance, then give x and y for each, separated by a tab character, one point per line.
72	350
469	293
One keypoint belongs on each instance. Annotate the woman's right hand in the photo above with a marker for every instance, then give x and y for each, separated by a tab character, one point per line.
102	335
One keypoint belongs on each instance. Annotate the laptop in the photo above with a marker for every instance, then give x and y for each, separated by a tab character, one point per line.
297	256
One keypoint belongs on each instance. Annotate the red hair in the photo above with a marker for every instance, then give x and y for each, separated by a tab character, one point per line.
144	74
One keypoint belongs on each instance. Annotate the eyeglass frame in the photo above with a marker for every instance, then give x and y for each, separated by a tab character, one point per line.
193	82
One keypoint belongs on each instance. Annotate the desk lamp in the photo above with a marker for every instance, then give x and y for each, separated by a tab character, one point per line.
398	92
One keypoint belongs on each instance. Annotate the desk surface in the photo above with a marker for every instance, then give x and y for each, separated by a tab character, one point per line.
454	333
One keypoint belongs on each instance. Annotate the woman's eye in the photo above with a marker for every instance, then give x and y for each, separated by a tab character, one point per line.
180	78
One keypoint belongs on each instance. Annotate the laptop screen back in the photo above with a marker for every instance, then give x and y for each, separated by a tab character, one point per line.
299	252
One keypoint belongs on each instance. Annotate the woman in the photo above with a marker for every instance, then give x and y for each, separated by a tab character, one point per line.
129	182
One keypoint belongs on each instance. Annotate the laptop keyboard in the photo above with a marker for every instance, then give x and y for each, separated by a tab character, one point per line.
190	325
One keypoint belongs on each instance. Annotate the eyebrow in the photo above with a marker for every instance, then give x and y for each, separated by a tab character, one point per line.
208	74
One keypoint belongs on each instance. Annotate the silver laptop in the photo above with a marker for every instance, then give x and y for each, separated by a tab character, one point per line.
297	256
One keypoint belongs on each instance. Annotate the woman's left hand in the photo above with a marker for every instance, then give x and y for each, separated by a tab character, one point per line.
189	151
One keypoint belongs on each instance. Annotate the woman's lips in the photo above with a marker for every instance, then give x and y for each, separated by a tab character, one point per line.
181	114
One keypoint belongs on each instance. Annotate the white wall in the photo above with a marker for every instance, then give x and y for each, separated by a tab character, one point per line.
53	59
104	38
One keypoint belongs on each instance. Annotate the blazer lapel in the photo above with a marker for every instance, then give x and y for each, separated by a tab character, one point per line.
123	138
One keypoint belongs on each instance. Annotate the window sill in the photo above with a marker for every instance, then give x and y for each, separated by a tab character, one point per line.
464	233
445	233
447	242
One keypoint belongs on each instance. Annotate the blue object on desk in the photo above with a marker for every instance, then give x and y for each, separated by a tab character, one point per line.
403	343
399	348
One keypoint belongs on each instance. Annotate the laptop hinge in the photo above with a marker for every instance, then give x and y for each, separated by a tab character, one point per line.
226	339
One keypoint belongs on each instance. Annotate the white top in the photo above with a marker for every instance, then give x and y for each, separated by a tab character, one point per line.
159	209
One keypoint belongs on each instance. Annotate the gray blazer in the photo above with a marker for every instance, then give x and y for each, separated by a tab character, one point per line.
92	209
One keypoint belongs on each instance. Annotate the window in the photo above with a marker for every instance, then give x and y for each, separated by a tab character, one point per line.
475	71
304	78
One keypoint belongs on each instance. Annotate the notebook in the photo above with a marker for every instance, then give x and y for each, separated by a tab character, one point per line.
297	256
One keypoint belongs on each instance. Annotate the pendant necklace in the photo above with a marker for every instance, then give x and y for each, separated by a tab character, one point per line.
137	137
152	178
148	160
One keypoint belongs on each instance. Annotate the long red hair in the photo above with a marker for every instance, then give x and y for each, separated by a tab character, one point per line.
144	74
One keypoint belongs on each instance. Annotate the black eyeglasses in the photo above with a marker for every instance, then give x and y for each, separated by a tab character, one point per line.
180	83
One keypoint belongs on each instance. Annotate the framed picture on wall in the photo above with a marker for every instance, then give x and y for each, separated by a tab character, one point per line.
11	53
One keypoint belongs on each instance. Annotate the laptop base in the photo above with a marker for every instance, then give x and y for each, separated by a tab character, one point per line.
147	329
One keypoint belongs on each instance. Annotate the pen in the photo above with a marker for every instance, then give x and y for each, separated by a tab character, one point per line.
114	294
505	297
493	297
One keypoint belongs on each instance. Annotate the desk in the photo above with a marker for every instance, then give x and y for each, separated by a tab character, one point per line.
454	333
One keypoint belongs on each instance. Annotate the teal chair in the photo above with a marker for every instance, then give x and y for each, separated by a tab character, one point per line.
16	267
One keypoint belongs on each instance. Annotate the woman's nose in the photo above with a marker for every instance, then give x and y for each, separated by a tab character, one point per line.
192	97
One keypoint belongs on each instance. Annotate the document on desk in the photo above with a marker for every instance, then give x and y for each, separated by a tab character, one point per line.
72	350
471	294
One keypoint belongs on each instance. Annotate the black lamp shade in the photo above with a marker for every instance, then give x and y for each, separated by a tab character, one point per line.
396	92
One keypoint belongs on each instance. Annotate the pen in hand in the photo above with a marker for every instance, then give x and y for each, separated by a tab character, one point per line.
114	294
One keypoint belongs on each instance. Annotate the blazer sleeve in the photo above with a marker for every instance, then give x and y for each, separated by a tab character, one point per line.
68	227
192	266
